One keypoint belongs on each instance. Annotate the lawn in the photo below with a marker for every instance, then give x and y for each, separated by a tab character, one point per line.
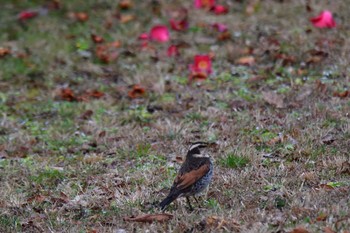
97	117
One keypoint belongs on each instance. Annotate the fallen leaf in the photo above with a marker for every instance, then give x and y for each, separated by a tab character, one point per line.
221	223
226	35
137	91
273	98
126	18
4	52
96	94
86	115
106	53
66	94
342	94
325	187
97	39
81	16
102	134
125	4
286	59
246	61
321	87
328	230
299	230
316	56
149	218
37	198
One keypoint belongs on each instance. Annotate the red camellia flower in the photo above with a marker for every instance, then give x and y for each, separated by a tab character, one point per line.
220	9
201	67
159	33
220	27
179	25
27	14
204	4
173	51
324	20
143	36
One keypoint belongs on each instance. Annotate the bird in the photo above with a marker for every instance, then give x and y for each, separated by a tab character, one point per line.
193	177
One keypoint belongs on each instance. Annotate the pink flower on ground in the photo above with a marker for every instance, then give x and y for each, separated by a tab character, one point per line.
201	67
204	4
220	9
159	33
173	51
27	14
179	25
220	27
324	20
143	36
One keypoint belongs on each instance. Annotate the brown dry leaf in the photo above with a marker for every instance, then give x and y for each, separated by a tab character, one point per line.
310	177
226	35
95	94
106	53
328	230
81	16
126	18
221	223
149	218
321	87
115	44
299	230
37	198
102	134
86	115
286	59
66	94
273	98
20	152
137	91
316	56
342	94
256	79
4	52
246	60
97	39
325	187
125	4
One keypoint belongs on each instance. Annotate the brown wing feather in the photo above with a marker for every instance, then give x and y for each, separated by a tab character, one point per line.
183	181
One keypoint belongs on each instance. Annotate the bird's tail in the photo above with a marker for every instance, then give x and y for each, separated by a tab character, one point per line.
169	199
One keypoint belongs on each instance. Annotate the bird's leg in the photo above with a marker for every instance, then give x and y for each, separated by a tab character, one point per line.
189	203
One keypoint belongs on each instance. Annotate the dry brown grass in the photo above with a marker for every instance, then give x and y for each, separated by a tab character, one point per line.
62	173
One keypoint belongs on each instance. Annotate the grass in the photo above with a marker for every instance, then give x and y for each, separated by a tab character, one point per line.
82	166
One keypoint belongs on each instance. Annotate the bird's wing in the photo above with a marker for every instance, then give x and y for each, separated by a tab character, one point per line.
185	180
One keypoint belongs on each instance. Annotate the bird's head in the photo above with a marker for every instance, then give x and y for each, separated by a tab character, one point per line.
195	149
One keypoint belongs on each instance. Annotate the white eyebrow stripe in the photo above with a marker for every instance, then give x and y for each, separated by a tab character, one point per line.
201	155
196	145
